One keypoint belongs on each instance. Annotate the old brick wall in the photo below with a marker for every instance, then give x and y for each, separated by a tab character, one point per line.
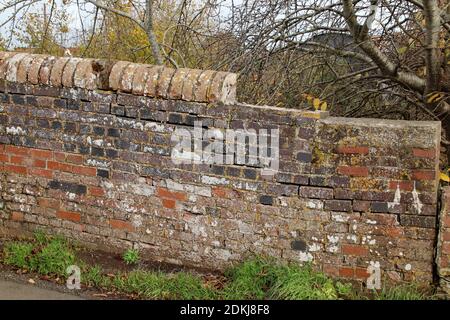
443	247
85	151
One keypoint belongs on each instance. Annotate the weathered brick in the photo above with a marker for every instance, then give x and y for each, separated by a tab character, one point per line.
266	200
353	171
120	224
304	157
353	150
402	185
68	187
338	205
424	153
424	175
67	215
354	250
417	221
164	193
316	193
164	80
17	216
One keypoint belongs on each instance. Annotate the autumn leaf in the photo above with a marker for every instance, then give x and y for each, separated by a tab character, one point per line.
444	177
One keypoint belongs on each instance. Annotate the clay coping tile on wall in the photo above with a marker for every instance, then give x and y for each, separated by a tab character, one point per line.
183	84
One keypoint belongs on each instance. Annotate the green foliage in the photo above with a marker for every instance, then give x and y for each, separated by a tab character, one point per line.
401	292
303	283
53	258
45	255
157	285
17	254
131	256
262	278
250	280
256	278
93	276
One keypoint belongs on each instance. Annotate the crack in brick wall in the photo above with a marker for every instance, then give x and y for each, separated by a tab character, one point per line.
85	150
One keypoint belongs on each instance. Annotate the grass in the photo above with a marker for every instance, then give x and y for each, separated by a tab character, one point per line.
303	283
131	256
408	291
44	255
256	278
157	285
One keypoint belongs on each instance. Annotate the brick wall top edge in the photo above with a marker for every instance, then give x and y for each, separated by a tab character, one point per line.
384	123
139	79
286	111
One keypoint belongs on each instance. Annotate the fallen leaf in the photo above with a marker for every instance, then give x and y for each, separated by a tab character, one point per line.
31	281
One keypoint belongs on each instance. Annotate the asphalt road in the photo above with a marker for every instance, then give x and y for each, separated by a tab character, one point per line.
10	290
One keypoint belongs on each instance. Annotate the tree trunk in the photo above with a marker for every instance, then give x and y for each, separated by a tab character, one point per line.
150	34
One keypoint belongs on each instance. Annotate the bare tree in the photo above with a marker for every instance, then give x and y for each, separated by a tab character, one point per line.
146	23
377	58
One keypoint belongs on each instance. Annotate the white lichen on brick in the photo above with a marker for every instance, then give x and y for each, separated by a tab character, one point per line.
214	180
98	163
314	204
17	131
314	247
305	256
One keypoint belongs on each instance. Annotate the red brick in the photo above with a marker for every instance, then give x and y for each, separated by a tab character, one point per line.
353	150
67	215
41	154
346	272
17	160
38	163
96	191
48	203
74	158
354	250
446	221
424	153
446	236
354	171
59	156
15	169
169	203
4	158
164	193
361	273
331	270
16	216
446	248
403	185
393	232
361	205
424	175
219	192
52	165
41	173
120	224
85	171
17	150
